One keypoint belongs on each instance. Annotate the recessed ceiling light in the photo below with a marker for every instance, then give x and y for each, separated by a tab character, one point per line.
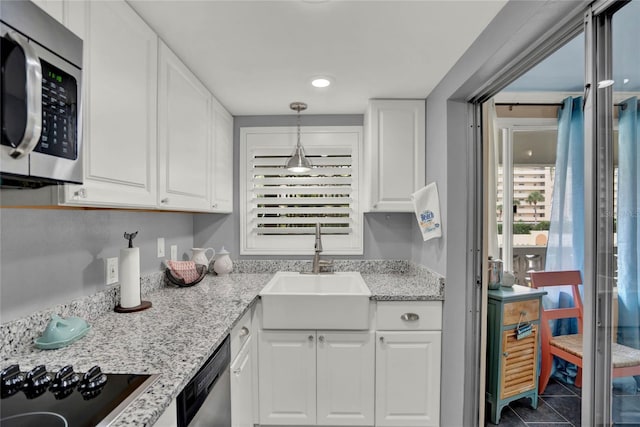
320	82
605	83
625	81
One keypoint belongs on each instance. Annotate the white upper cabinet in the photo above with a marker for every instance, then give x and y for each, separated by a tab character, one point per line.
222	186
120	103
55	8
154	137
184	136
395	152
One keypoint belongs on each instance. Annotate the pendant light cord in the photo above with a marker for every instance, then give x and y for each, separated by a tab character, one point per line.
298	122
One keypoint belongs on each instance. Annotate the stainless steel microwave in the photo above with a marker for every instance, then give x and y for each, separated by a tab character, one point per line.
40	106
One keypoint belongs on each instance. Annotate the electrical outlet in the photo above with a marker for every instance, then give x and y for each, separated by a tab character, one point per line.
160	247
111	270
174	252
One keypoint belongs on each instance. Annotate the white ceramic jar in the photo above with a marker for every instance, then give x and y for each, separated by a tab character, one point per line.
223	264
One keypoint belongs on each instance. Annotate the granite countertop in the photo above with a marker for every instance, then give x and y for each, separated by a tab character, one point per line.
183	328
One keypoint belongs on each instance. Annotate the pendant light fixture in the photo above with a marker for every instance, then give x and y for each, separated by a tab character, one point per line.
298	162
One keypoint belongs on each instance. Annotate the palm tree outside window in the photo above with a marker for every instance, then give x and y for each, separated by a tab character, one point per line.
533	199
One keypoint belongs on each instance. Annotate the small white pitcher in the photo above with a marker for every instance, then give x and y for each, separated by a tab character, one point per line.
200	256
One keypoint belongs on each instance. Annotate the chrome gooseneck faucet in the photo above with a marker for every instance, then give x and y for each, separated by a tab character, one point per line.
317	262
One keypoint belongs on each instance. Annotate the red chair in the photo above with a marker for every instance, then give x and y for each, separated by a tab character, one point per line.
626	360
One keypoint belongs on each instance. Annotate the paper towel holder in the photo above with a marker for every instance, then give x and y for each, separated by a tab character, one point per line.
143	304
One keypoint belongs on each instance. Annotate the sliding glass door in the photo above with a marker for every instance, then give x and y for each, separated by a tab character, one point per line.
601	233
615	77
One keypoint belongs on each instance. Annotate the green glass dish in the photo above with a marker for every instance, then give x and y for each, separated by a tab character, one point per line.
60	332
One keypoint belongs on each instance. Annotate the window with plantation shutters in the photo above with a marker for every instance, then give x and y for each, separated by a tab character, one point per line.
279	209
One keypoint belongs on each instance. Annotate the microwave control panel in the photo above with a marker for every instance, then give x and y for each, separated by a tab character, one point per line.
59	113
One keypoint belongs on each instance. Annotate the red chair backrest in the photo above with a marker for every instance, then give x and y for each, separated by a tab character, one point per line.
573	278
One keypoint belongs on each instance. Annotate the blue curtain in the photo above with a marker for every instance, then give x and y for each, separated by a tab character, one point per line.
565	247
628	223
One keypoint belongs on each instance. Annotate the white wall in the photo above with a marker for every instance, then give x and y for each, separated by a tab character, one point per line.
519	25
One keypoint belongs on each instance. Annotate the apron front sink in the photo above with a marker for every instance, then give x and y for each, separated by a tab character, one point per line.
315	301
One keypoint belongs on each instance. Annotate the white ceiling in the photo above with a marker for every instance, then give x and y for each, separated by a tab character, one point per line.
258	56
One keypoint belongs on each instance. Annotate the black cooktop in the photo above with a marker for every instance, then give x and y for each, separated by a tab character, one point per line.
66	399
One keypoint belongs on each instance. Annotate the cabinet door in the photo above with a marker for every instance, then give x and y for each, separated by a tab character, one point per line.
345	378
242	387
395	142
184	136
169	417
120	88
287	377
222	186
518	366
408	378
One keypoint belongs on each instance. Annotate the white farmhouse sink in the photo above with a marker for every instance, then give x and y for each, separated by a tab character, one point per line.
315	301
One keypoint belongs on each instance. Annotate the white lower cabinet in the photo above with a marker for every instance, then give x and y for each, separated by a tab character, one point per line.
408	378
169	417
242	387
345	379
287	377
316	377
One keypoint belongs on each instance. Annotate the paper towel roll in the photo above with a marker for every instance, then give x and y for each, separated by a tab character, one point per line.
129	277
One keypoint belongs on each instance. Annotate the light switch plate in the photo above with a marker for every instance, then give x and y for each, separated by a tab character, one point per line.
160	247
111	273
174	252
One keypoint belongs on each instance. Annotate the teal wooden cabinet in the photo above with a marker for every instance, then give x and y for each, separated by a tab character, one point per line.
512	359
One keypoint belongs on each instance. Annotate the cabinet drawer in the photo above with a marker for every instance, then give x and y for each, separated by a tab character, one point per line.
409	315
529	310
241	333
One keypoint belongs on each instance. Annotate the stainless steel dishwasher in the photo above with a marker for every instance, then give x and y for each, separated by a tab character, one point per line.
206	399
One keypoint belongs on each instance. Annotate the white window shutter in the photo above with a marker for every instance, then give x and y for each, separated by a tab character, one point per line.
279	209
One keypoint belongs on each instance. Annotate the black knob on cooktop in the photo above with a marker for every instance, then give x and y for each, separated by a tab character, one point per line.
12	380
92	382
64	381
36	382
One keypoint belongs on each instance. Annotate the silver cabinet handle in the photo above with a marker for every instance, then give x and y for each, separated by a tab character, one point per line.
505	354
237	371
164	201
410	317
215	205
81	193
310	337
382	340
244	331
33	127
321	338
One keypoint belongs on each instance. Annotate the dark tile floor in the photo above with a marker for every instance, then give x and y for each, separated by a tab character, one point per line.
560	405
